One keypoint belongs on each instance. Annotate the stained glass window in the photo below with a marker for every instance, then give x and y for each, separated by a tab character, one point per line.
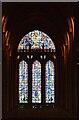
36	82
36	40
23	82
49	82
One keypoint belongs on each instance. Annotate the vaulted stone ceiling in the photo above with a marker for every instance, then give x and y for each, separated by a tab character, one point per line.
22	17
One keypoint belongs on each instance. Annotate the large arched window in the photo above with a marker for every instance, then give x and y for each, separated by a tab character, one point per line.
36	69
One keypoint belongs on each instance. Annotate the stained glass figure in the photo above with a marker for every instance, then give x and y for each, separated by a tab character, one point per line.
23	82
49	82
35	40
36	82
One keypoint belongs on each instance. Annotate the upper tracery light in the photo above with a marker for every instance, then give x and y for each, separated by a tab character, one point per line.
36	40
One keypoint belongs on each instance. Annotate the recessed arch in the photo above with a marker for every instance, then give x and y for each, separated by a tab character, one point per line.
37	40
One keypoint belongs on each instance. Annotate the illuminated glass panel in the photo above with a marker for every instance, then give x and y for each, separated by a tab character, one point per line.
28	56
44	56
31	56
36	39
36	82
41	56
49	82
23	82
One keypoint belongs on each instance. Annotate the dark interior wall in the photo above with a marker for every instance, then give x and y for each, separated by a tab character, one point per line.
51	19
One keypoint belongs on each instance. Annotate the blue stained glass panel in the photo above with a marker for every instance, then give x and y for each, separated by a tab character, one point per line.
49	82
36	82
36	39
23	82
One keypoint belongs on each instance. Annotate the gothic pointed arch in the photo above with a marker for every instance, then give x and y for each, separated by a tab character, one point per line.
36	70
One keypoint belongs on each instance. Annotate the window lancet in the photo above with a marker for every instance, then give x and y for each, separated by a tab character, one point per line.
23	82
36	82
49	82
